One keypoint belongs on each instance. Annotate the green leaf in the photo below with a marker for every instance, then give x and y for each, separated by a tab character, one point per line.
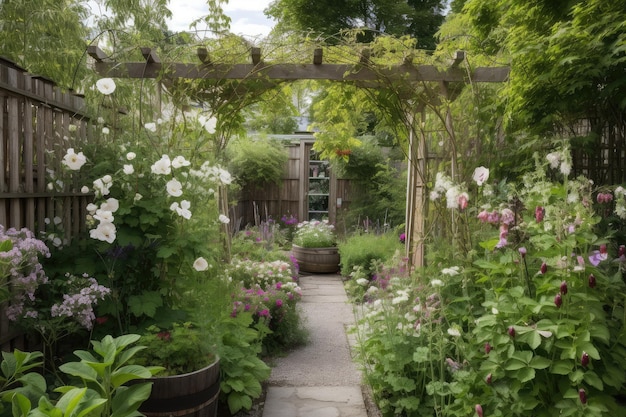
540	362
562	367
525	374
69	401
20	405
421	354
594	380
145	304
237	401
489	245
128	399
128	373
81	370
514	364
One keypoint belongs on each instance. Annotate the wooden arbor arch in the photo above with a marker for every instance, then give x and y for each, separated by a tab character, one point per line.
362	73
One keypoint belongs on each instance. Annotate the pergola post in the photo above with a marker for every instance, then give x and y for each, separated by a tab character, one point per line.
416	190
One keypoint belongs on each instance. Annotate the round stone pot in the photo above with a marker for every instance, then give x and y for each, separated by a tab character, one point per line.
317	260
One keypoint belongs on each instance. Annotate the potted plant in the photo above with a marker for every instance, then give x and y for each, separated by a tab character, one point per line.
315	247
190	383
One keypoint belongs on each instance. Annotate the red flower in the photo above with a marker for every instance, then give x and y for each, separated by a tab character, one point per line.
563	287
487	348
544	268
592	281
582	394
584	359
102	320
165	336
511	331
558	300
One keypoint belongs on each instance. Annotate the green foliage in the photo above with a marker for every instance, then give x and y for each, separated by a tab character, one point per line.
103	390
315	234
243	370
366	251
518	322
256	162
419	19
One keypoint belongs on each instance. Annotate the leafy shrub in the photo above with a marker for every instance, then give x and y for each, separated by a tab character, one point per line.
258	161
366	249
527	322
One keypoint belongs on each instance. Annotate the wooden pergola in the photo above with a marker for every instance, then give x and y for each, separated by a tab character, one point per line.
362	73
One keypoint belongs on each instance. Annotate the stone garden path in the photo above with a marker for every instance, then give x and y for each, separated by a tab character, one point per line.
319	379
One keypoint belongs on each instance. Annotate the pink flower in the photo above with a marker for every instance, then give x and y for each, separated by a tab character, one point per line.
558	300
479	410
462	199
539	214
279	302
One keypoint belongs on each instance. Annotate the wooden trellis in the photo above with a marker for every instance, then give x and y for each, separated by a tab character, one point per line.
362	73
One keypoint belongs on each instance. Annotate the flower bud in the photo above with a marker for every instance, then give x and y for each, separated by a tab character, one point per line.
539	213
582	394
584	359
522	251
544	268
603	249
622	251
592	281
563	287
488	379
479	410
558	300
511	331
487	348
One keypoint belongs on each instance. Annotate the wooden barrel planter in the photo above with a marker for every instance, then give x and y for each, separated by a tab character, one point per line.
317	260
194	394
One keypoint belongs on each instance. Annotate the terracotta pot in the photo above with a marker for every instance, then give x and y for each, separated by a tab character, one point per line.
317	260
194	394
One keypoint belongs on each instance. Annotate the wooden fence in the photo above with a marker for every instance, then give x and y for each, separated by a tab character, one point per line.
39	123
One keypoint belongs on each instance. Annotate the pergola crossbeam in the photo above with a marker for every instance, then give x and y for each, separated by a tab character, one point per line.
407	72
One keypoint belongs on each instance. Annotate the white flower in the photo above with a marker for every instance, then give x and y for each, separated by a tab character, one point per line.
494	311
131	155
566	168
452	197
91	208
137	197
105	131
364	282
224	219
106	86
225	177
454	332
57	220
104	231
100	120
200	264
180	162
436	283
84	189
554	158
111	204
208	124
182	209
442	182
434	196
73	127
101	186
162	166
452	271
129	169
481	174
174	188
150	126
104	216
74	161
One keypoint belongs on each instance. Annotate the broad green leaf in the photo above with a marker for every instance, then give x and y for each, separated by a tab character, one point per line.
128	399
540	362
126	354
594	380
70	400
128	373
562	367
525	374
514	364
80	370
20	405
421	354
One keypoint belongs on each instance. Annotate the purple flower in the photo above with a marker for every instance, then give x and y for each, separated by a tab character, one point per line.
279	302
402	237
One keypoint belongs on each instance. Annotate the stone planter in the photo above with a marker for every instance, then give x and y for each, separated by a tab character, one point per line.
194	394
317	260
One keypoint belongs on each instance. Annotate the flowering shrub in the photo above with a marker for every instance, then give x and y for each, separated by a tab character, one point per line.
315	234
527	322
20	265
262	273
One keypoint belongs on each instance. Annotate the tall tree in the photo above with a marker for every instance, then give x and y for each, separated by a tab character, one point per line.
418	18
46	37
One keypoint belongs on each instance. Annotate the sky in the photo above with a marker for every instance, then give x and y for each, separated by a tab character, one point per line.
247	16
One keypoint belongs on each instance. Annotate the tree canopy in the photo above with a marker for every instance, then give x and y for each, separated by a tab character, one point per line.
418	18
